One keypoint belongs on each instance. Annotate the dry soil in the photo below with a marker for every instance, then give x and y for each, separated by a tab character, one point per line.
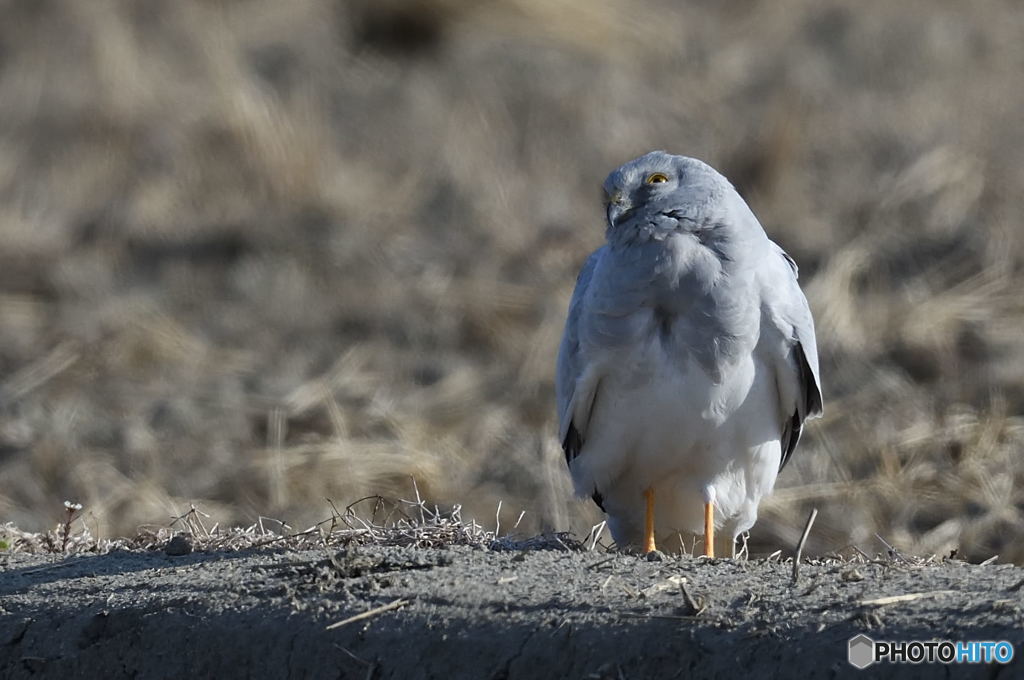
477	613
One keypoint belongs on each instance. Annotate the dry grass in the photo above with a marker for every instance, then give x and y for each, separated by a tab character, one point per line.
375	520
256	255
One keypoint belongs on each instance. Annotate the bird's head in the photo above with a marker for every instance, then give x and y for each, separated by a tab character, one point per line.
659	193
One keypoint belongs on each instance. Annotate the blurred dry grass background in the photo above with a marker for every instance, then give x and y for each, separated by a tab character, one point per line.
254	254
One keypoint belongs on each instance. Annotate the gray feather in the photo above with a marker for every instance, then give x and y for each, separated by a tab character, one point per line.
688	350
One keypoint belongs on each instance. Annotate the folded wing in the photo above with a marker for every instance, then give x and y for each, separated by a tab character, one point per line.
787	318
574	386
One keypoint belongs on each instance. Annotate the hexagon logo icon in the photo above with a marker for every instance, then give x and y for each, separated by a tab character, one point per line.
861	651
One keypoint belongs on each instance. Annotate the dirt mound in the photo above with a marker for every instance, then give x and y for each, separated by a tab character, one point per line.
373	612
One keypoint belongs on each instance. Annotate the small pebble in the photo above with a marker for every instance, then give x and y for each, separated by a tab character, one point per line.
852	575
179	545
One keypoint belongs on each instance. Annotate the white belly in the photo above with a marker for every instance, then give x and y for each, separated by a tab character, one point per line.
663	422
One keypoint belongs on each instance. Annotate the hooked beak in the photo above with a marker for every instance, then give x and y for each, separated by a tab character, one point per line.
618	207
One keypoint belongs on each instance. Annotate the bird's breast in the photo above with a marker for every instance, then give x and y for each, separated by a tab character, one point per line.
672	273
685	263
663	303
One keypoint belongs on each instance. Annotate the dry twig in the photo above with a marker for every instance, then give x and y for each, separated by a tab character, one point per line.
800	545
397	604
909	597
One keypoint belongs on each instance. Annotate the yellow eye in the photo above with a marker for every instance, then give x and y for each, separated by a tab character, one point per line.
657	178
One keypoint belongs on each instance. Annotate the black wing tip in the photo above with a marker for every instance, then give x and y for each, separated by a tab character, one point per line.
808	375
573	444
791	437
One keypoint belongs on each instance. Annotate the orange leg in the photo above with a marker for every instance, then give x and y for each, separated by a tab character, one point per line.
649	522
709	529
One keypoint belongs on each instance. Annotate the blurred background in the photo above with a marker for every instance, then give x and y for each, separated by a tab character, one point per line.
256	254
